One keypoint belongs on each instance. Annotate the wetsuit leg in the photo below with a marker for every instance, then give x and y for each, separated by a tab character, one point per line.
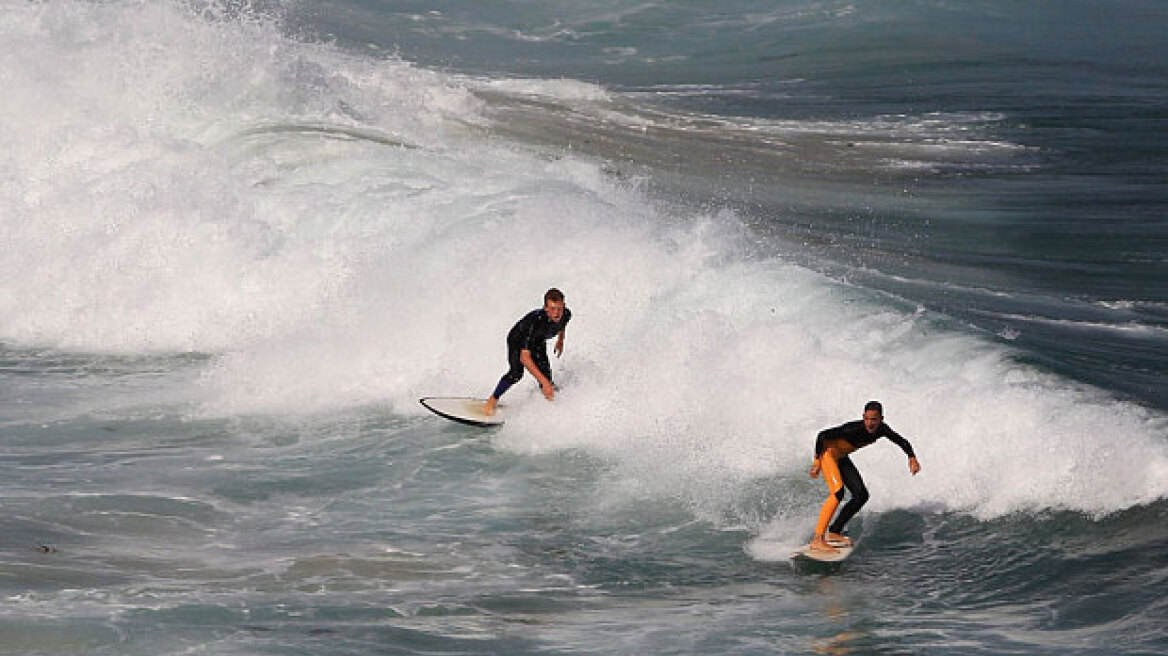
830	469
855	486
513	375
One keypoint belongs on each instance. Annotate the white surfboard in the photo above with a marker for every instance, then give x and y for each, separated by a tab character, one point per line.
806	554
464	410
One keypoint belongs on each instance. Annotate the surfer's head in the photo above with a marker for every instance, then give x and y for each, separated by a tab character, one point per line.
873	416
553	304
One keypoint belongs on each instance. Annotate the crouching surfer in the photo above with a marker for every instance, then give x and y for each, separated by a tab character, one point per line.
527	347
832	447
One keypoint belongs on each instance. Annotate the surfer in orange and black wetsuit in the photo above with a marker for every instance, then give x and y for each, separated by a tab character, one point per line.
832	447
527	347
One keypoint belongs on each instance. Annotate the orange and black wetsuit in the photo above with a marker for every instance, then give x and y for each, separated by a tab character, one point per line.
832	447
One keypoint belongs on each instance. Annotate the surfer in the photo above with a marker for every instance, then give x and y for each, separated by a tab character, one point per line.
527	347
832	447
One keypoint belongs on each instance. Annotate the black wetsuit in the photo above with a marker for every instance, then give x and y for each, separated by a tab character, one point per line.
856	435
530	334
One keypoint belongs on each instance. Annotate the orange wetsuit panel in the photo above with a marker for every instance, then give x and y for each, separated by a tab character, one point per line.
831	475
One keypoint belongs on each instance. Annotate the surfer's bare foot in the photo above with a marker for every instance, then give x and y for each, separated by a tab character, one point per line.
489	406
819	544
838	540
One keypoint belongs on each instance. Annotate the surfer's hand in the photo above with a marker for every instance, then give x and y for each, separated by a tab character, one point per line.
815	469
549	390
914	466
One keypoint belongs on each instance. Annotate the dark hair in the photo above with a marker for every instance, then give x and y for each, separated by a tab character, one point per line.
553	294
874	405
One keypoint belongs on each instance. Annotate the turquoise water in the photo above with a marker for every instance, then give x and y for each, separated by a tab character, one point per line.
238	242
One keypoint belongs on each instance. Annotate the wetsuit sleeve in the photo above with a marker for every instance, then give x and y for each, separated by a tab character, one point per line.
533	339
899	441
525	331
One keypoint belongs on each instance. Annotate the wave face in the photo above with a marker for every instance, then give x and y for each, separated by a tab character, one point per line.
996	163
232	256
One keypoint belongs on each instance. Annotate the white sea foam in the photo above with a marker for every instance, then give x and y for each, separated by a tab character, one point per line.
563	90
161	194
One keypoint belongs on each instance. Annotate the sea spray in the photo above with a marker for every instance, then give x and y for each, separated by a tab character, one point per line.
334	232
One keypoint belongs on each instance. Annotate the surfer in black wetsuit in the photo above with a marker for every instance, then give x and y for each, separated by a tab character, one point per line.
832	447
527	347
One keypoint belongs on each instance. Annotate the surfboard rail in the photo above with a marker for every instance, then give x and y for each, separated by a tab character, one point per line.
464	410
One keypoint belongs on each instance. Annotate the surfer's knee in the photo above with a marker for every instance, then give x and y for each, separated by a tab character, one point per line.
513	375
860	496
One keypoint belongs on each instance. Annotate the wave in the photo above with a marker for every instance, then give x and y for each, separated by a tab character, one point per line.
335	231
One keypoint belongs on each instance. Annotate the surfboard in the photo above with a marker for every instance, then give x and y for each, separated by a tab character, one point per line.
806	554
464	410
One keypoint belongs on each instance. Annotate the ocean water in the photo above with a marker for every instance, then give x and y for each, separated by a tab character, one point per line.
239	240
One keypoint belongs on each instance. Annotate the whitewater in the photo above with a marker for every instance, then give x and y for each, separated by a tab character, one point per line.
232	257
